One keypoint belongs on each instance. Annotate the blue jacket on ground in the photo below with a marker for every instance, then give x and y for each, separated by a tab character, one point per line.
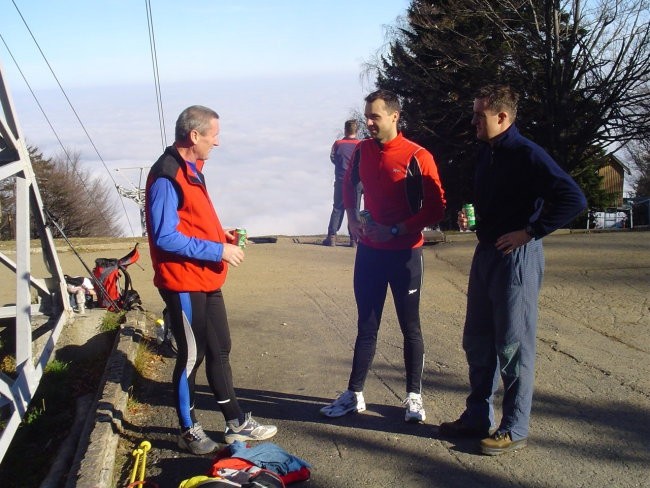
268	456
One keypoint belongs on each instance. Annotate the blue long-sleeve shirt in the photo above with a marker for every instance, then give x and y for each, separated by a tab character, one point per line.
163	204
518	184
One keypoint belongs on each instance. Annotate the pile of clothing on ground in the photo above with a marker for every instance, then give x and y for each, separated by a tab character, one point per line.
265	465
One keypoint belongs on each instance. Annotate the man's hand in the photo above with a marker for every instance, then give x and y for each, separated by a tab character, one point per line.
230	235
377	232
355	228
232	254
512	240
354	225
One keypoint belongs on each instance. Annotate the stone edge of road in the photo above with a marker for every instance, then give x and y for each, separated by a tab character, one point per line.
94	462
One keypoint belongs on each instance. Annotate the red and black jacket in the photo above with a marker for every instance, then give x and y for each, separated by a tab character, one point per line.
400	185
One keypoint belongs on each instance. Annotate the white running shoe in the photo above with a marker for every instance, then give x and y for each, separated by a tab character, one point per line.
348	401
414	408
250	430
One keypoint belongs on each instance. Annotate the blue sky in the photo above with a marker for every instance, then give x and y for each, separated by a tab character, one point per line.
283	75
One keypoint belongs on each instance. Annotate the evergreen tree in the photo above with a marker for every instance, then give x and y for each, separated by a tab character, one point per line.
81	204
436	61
583	75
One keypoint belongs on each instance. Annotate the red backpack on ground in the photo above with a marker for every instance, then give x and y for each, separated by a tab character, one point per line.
111	294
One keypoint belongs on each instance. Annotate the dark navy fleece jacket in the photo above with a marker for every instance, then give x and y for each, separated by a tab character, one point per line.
518	184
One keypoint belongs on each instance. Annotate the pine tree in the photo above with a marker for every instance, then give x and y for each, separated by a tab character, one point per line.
583	76
82	205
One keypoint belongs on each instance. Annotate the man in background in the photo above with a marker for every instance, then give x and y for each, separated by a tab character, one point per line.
521	195
340	155
402	195
190	253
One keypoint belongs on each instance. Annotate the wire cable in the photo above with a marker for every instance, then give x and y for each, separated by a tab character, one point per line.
40	107
47	119
156	74
92	143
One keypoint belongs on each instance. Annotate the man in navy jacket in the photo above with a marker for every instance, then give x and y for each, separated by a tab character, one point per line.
521	195
340	156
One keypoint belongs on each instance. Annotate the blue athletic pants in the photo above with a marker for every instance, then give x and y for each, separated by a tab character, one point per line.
499	335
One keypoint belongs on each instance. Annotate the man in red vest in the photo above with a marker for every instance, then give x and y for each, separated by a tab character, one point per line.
190	253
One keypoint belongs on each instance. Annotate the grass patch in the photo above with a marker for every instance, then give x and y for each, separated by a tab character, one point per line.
143	358
132	403
34	413
112	321
56	367
8	365
44	426
54	378
7	352
143	362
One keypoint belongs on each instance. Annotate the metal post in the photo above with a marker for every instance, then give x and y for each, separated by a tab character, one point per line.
31	358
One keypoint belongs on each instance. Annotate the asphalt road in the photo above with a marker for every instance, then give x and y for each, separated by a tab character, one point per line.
292	316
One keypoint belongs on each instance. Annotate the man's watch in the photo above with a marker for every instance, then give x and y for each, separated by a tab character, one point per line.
530	231
394	230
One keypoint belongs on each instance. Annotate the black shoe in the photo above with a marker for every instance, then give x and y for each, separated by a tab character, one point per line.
500	443
458	429
330	241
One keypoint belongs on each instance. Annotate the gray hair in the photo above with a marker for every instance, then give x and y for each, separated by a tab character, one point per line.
196	117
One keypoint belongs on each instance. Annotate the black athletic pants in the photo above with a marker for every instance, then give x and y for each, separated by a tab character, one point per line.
200	326
374	270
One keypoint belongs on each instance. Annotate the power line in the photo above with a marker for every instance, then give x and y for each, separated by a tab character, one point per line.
73	111
35	97
38	103
156	74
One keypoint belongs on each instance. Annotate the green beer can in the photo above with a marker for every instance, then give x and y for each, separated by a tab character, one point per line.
471	217
240	237
365	218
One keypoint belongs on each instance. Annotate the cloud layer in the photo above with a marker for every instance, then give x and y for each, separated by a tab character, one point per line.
271	173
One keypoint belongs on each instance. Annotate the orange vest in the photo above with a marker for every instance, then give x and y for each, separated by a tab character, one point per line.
198	218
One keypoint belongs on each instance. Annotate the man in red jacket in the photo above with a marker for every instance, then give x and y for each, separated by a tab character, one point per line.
402	195
190	253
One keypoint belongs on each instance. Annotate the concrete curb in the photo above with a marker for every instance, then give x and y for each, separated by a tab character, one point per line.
94	463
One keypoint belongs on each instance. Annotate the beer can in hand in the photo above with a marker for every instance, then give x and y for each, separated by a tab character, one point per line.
365	218
471	217
240	238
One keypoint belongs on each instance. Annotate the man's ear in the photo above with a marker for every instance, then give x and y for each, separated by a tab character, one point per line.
194	136
504	117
